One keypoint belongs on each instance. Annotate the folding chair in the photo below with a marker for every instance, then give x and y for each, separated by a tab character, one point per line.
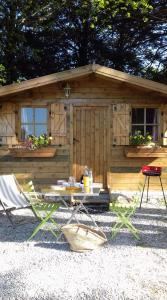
11	195
43	210
124	211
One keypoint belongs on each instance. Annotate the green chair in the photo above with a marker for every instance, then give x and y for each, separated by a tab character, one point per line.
44	211
124	210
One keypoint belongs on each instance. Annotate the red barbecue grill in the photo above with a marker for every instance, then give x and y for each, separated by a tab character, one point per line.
151	171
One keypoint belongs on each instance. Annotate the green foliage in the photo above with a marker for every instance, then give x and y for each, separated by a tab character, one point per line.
114	8
127	35
33	142
139	139
2	75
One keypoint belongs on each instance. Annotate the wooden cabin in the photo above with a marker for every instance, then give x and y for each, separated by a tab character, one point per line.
90	113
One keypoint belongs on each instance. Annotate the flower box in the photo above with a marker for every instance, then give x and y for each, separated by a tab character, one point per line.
40	152
145	151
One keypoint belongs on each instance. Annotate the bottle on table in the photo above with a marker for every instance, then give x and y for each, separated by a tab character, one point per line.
86	177
90	178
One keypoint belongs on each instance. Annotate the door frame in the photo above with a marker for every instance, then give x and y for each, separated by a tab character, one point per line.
108	127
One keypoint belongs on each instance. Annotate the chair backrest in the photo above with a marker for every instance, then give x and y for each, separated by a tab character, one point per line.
32	194
10	192
125	203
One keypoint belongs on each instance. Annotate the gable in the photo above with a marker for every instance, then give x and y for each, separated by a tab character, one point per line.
81	72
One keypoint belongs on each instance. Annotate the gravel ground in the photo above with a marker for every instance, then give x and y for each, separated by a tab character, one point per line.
123	269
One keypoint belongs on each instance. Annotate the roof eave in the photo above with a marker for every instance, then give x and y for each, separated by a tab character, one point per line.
45	80
131	79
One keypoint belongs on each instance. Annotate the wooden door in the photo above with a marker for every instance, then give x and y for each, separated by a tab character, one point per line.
90	142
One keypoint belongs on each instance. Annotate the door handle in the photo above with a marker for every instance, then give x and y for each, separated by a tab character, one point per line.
75	141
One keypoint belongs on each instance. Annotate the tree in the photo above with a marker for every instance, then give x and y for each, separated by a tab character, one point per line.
42	37
2	75
155	47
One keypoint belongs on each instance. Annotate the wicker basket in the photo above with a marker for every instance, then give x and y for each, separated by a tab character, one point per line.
83	238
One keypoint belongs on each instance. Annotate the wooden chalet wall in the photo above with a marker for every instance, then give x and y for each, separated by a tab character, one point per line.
118	98
40	170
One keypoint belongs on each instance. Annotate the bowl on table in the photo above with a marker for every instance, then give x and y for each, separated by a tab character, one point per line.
58	187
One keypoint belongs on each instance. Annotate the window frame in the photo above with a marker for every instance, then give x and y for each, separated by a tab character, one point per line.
145	124
33	123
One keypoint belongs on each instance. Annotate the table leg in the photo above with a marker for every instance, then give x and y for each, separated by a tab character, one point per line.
72	216
78	208
75	211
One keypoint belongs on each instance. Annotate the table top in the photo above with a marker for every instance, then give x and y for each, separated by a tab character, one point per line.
59	190
80	193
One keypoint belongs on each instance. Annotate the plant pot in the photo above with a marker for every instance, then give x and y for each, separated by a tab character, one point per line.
145	151
145	147
41	152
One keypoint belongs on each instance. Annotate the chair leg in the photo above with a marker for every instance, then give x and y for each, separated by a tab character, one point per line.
163	191
148	187
143	191
7	214
43	222
127	222
116	229
124	220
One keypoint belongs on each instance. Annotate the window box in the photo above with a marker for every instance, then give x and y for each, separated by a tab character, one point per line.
145	151
40	152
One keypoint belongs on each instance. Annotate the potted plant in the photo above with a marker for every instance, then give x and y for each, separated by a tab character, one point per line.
143	146
140	140
34	146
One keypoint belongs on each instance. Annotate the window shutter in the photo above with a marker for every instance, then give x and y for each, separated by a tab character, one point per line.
121	124
7	124
58	120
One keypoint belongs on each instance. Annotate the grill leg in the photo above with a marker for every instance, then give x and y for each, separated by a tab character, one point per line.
148	187
143	191
163	191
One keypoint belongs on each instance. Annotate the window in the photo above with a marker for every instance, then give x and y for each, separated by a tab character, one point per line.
34	120
145	120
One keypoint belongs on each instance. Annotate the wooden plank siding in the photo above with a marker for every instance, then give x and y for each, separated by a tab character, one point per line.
67	121
40	170
87	88
125	173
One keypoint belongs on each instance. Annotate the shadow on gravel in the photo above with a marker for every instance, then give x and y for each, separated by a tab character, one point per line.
151	223
57	246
